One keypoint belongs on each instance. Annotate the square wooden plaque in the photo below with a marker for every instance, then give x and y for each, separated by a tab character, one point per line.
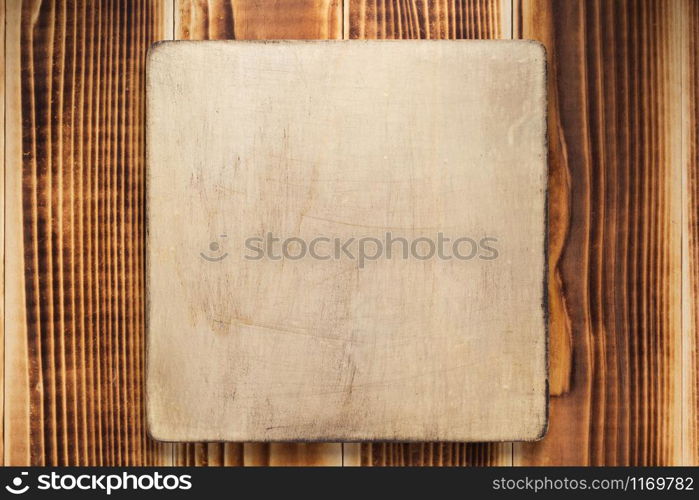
346	241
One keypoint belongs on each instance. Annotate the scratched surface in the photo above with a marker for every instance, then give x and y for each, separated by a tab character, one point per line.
354	344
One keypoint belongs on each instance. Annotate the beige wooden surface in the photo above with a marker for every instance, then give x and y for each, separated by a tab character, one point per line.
295	139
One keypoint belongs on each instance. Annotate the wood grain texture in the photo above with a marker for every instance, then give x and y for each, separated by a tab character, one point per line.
257	454
615	241
255	20
74	252
437	19
464	19
2	231
690	267
428	454
550	22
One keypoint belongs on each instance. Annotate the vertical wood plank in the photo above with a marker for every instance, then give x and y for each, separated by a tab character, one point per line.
438	19
690	265
429	454
75	232
252	20
2	231
441	19
244	20
615	240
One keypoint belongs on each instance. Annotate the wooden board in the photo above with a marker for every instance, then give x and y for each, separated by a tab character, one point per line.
299	144
615	235
549	21
75	74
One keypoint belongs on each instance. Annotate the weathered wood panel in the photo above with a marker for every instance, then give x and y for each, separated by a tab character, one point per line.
615	241
74	251
433	20
301	350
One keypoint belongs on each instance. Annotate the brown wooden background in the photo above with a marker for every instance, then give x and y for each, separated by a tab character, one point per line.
624	239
